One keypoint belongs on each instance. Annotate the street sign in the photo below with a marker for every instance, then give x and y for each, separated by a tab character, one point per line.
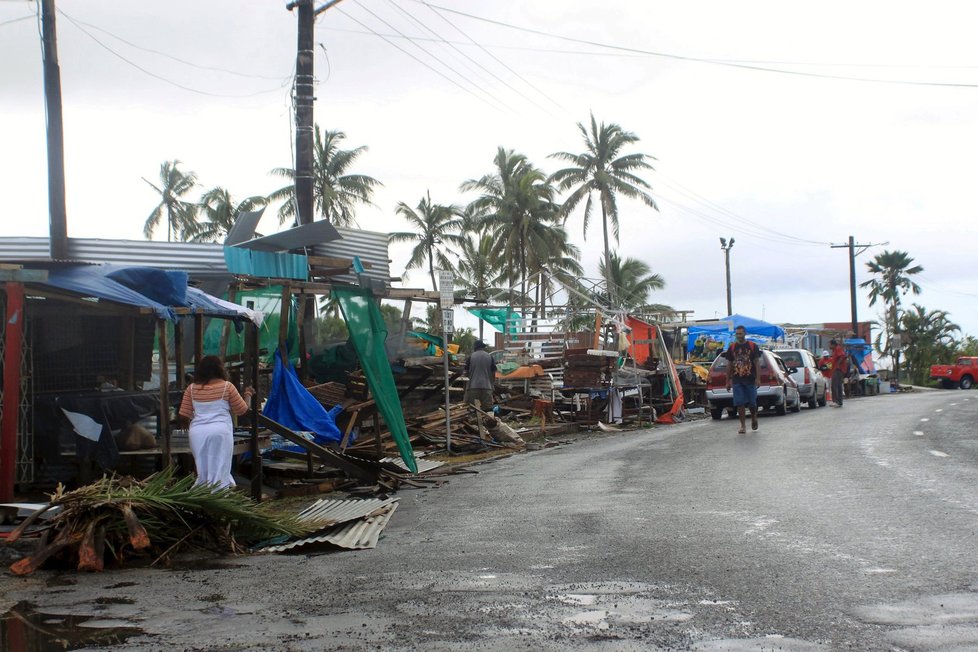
448	321
446	288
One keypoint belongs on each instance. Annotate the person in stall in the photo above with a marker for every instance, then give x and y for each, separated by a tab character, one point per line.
208	404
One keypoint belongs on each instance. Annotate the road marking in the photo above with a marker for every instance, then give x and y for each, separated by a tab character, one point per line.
878	571
919	433
925	419
939	410
939	454
953	404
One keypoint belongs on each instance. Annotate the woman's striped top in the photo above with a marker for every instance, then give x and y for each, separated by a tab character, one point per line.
212	391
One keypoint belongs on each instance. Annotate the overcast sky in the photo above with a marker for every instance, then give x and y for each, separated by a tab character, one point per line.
786	163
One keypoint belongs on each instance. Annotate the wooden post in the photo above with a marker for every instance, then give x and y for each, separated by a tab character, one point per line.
300	318
164	395
226	328
252	360
198	339
178	352
10	408
283	323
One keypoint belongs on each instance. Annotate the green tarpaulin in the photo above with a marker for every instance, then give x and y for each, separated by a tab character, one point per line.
368	333
269	301
498	318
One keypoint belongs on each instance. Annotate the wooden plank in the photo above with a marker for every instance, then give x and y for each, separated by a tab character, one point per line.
164	395
23	275
329	457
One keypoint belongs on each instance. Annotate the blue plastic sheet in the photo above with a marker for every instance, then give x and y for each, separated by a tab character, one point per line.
290	404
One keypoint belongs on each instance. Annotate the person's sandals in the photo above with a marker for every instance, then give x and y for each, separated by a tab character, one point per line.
742	431
753	423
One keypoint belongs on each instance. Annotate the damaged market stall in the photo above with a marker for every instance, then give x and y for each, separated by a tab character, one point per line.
87	349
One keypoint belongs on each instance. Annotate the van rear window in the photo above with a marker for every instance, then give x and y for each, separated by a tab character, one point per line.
719	364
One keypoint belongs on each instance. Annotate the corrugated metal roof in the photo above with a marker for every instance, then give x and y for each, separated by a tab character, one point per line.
200	260
423	464
331	512
361	533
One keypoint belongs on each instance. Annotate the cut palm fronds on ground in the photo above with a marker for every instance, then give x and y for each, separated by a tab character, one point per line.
116	517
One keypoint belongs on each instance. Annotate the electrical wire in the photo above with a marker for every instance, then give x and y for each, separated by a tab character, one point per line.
494	57
173	58
416	58
160	77
927	285
16	20
439	39
716	62
740	221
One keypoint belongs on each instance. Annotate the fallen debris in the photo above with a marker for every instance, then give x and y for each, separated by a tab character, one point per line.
119	517
350	524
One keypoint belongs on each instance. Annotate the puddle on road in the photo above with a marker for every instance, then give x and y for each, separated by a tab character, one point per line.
25	628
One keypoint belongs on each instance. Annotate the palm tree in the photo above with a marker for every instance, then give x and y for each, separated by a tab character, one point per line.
478	271
556	261
600	170
435	225
221	213
517	206
336	192
892	271
181	216
930	337
631	280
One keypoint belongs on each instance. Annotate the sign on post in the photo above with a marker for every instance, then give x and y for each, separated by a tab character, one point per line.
448	321
446	288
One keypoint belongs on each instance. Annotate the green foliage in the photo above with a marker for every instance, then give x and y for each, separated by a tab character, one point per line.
180	215
435	227
220	212
465	338
928	338
330	329
968	345
632	281
892	272
336	192
601	172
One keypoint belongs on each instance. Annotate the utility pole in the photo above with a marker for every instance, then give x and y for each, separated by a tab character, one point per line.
304	95
851	246
58	219
726	247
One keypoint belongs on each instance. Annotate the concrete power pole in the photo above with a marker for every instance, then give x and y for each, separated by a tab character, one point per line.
726	252
58	219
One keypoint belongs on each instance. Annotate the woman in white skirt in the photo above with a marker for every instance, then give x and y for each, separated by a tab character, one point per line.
208	403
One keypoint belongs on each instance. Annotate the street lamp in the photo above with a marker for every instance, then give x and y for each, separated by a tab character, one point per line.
726	247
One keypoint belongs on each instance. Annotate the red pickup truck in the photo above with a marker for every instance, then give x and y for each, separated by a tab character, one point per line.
960	374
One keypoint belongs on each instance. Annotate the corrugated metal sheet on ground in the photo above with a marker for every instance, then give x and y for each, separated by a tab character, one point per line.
331	512
423	465
359	534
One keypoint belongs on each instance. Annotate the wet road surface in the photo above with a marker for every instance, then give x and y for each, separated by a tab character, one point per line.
848	528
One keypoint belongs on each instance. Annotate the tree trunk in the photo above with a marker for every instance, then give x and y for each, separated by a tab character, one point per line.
607	257
431	270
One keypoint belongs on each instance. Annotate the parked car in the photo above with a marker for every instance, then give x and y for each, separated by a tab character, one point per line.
777	390
810	380
962	373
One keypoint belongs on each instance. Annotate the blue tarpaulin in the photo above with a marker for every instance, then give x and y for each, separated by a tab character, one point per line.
145	287
724	333
291	404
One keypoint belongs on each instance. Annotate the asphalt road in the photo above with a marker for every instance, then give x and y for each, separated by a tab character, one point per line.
831	529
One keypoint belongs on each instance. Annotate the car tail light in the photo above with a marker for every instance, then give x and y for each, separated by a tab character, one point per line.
717	379
767	376
808	376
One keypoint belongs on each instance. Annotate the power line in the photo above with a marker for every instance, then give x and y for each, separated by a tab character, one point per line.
416	58
739	221
435	57
160	77
494	57
640	55
474	61
16	20
177	59
717	62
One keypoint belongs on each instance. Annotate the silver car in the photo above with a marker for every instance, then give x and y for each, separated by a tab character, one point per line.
811	383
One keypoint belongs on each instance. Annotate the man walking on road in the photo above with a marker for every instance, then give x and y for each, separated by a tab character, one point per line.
743	376
481	370
840	369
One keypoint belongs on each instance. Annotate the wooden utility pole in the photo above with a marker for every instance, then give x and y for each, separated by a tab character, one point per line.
58	220
851	246
727	246
304	99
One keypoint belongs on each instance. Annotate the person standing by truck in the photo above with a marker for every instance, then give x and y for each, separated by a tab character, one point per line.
840	369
